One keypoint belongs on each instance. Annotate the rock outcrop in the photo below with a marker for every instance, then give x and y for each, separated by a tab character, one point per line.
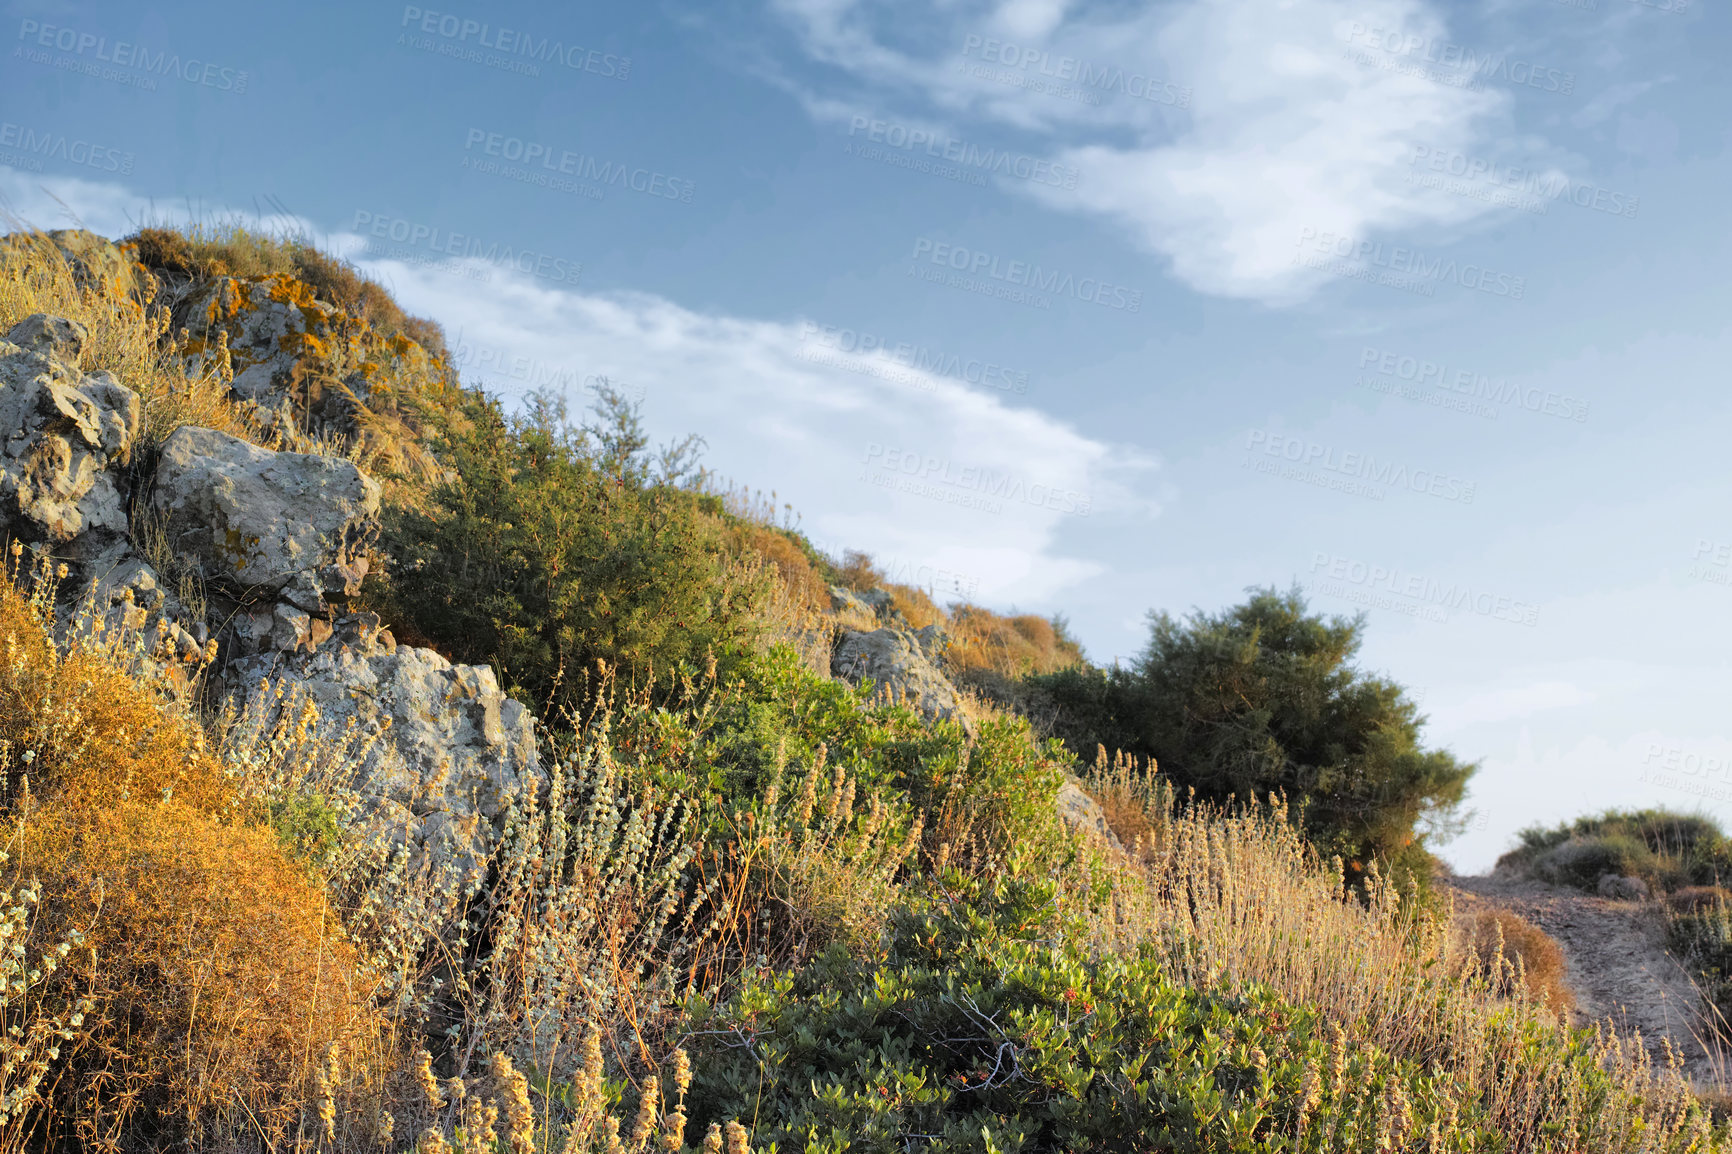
447	753
232	553
1623	889
900	661
65	433
1083	813
298	365
294	525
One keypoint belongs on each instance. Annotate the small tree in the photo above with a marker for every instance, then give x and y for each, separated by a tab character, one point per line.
1265	697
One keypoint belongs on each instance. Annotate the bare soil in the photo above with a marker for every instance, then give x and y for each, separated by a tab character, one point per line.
1616	964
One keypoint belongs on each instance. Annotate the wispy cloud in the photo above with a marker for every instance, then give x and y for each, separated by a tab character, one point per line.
1279	130
976	485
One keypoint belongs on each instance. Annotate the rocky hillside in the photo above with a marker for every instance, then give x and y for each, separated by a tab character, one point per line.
244	563
383	770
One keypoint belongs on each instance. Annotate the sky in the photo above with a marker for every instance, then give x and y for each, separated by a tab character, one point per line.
1079	308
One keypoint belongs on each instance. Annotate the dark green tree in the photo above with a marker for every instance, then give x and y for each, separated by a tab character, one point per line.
1264	697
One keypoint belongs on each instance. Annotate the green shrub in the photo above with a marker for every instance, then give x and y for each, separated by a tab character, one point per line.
549	548
1264	697
983	1027
1666	849
1582	861
308	825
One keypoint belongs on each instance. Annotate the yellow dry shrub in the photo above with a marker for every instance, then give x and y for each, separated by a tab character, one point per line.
984	641
801	578
1513	951
216	974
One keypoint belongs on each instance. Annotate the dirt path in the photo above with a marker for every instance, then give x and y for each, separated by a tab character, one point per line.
1616	962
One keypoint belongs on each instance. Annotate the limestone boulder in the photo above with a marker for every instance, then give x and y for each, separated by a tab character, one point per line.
896	660
1083	813
295	525
63	436
450	753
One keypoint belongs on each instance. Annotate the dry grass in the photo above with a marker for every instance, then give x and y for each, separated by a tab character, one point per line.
1513	952
987	650
214	970
129	337
986	642
203	252
1230	899
181	368
1128	791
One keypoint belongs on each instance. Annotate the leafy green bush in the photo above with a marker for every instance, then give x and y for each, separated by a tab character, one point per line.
753	739
1582	861
1264	697
984	1026
1664	848
548	548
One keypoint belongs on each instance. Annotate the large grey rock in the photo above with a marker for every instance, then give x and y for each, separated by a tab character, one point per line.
133	598
294	524
844	600
897	660
452	752
63	433
1083	813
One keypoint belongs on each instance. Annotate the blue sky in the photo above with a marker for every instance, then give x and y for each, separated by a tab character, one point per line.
1069	307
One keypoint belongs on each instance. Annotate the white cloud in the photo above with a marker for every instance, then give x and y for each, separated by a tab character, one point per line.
781	410
1282	132
778	408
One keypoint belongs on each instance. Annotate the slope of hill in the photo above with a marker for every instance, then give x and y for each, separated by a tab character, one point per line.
381	768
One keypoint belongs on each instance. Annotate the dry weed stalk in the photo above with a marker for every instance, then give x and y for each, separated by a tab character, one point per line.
1235	898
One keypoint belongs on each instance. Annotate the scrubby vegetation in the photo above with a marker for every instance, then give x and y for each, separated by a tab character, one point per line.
1264	697
754	905
548	548
1680	857
202	252
1667	850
